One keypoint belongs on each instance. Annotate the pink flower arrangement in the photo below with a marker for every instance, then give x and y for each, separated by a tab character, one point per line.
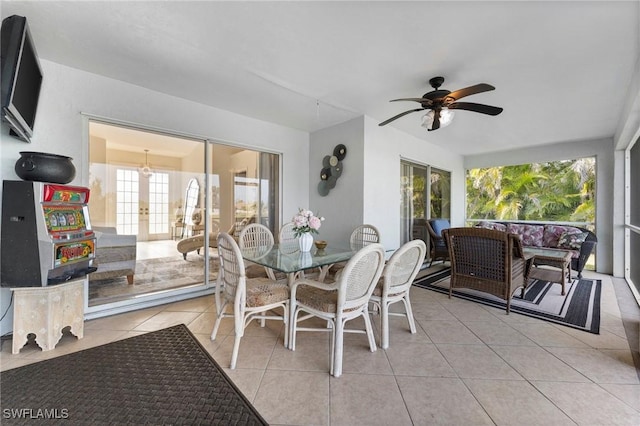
305	221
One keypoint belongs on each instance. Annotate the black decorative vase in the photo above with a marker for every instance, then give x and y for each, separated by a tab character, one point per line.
44	167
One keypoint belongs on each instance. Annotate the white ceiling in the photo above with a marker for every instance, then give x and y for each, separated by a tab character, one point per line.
562	70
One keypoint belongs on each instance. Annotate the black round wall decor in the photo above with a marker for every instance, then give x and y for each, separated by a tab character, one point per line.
332	168
340	151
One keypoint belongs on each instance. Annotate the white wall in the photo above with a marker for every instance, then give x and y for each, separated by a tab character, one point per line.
60	128
603	150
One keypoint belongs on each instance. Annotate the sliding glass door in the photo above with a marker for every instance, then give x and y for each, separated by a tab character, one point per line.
632	218
244	188
425	194
439	194
152	193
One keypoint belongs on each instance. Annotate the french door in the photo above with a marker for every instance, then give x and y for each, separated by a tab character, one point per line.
142	204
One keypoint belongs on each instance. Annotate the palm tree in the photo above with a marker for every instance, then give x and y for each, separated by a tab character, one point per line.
554	191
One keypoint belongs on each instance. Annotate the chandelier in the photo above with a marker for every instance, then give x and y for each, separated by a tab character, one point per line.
146	169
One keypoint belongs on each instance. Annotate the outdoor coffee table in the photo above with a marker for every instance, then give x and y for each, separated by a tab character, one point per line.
560	260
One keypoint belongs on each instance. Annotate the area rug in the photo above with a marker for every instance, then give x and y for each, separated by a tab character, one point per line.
154	275
162	377
579	308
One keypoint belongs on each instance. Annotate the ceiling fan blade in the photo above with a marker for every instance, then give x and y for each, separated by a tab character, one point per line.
421	100
481	108
471	90
400	115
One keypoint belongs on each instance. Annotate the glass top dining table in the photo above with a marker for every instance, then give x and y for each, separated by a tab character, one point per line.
289	261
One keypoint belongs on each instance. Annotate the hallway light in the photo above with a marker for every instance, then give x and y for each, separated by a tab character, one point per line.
146	169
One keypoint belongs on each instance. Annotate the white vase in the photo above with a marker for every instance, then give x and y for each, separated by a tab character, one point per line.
305	259
305	241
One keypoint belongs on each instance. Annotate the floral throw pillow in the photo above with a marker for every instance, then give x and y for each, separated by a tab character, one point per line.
571	241
531	235
552	234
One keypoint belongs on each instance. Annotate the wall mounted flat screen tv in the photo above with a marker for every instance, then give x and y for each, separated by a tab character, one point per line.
21	77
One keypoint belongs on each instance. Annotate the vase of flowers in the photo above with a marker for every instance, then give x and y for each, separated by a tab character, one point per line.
305	224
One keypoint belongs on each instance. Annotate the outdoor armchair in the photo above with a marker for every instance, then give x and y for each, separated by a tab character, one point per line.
486	260
438	246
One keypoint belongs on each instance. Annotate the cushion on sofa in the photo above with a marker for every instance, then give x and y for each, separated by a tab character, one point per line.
571	241
552	234
531	235
492	225
439	225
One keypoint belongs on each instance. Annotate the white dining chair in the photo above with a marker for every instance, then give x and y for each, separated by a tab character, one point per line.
256	235
250	298
287	238
394	286
360	237
339	302
364	235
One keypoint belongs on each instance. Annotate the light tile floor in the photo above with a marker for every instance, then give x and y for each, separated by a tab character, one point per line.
467	364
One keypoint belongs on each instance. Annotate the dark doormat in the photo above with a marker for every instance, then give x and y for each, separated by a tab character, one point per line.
162	377
579	308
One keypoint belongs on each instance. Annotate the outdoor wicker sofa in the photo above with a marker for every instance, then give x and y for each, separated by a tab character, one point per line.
580	241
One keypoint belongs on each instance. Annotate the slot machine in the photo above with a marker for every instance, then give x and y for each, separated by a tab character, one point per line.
46	234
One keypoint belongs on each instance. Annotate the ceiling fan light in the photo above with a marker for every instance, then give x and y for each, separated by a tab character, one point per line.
446	117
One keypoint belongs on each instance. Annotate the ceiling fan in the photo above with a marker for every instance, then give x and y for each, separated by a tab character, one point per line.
441	104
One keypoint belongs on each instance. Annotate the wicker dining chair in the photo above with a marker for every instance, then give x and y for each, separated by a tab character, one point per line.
364	235
360	237
287	238
256	235
250	298
339	302
394	286
486	260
